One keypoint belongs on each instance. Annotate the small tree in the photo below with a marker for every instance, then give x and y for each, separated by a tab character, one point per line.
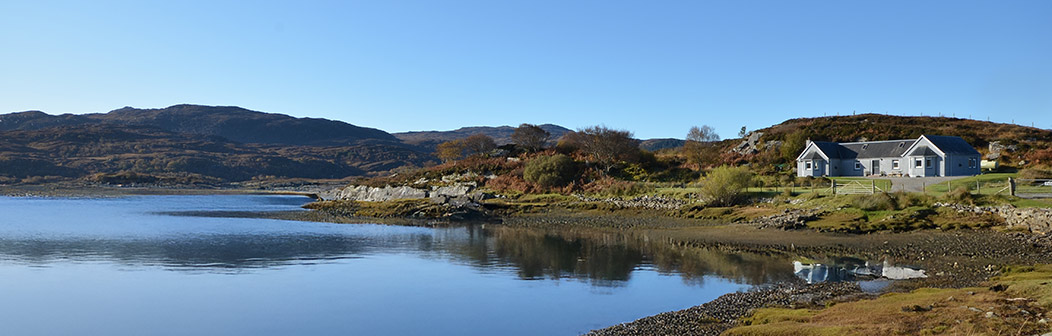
450	150
479	144
699	147
742	133
793	145
607	146
550	171
725	185
530	137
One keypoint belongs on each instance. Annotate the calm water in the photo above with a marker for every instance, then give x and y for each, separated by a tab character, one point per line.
129	266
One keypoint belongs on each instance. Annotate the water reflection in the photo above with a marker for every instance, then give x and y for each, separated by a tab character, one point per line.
133	232
848	269
603	260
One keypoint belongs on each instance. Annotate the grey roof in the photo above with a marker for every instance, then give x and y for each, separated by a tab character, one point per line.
923	151
892	148
813	156
874	149
952	144
831	149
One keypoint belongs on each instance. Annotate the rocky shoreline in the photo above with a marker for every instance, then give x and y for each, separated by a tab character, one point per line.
716	316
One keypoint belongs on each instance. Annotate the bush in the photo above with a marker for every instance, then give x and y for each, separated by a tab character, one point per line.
550	171
878	201
905	199
1036	172
609	186
960	195
725	186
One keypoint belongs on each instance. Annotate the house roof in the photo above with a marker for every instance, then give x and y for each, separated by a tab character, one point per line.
952	144
874	149
813	156
923	151
892	148
831	149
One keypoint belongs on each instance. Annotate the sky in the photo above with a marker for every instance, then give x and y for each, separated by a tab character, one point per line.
652	67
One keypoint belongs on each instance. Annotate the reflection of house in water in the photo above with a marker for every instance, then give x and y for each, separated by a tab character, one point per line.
849	271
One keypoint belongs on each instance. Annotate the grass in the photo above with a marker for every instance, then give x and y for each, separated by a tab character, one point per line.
925	311
989	184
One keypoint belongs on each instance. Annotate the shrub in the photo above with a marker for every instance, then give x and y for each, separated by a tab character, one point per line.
725	186
960	195
878	201
608	186
550	171
905	200
1036	172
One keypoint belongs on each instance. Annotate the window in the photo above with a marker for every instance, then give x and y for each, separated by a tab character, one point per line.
927	163
918	164
971	163
808	165
894	164
858	165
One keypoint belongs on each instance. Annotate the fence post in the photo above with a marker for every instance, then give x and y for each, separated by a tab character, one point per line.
978	188
872	186
947	186
1011	186
832	183
924	188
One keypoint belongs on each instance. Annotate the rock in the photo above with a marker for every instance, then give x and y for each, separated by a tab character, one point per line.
990	314
373	194
749	145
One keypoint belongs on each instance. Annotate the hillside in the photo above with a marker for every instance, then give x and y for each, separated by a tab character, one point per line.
204	143
229	122
1020	141
80	151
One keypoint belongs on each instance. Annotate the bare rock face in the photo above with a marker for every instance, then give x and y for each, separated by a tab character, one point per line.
372	194
749	145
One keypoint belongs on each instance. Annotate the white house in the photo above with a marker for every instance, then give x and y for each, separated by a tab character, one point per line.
929	155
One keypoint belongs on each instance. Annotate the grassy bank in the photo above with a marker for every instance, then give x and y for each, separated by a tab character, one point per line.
1014	304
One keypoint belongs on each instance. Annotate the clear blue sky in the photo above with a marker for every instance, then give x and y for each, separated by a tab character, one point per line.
653	67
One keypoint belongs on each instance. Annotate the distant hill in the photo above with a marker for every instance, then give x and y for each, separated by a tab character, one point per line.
209	142
654	145
500	134
229	122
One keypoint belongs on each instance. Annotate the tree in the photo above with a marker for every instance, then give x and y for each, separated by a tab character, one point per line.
699	147
450	150
792	146
530	137
742	133
607	146
550	171
725	186
479	144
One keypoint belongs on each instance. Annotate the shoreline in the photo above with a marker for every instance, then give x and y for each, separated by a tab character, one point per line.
955	258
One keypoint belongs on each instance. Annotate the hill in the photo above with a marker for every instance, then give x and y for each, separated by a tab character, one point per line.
500	134
229	122
1019	143
82	151
193	142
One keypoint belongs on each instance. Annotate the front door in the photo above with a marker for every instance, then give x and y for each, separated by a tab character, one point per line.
874	167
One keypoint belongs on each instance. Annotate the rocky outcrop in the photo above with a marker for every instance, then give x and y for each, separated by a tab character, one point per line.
372	194
788	219
1034	220
749	145
996	148
645	201
459	195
